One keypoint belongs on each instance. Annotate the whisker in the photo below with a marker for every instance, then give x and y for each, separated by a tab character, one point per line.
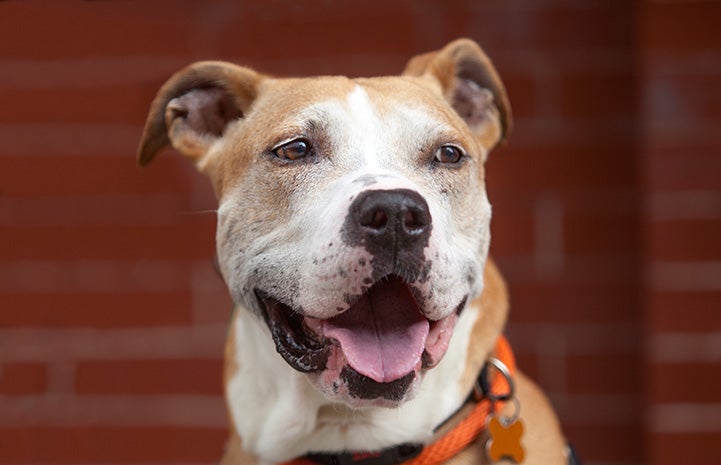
199	212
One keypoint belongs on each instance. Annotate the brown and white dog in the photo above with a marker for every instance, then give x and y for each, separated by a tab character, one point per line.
353	235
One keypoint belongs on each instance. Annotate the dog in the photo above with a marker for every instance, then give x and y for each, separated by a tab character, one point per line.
353	235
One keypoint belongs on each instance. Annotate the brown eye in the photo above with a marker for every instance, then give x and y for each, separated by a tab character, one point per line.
448	154
293	150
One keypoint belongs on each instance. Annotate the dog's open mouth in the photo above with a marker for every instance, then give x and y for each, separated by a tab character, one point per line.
382	339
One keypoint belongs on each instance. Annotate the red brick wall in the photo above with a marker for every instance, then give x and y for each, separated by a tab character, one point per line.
681	166
607	214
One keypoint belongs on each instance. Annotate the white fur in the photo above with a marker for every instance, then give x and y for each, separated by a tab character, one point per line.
365	122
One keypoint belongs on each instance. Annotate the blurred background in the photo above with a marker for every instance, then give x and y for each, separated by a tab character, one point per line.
607	214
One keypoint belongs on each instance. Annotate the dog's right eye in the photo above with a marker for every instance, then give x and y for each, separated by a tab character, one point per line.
294	150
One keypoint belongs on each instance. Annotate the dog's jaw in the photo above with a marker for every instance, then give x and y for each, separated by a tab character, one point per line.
372	354
280	415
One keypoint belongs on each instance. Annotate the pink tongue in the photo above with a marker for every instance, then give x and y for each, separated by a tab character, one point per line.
383	335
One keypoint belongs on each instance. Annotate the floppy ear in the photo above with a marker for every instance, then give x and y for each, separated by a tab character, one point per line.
471	86
194	107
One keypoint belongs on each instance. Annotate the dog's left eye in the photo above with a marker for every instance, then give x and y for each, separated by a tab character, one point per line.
293	150
448	154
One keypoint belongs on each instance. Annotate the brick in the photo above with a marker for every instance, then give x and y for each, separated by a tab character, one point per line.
607	200
683	166
110	29
43	445
686	240
603	269
680	27
72	140
596	233
359	65
96	209
142	74
38	175
114	105
601	25
582	223
683	205
68	410
20	379
522	91
563	302
672	449
110	25
392	32
684	417
550	27
260	10
597	409
68	345
683	276
593	442
686	312
592	135
684	382
559	165
603	373
595	95
96	310
211	301
190	239
492	26
512	231
150	377
620	339
528	363
97	276
674	96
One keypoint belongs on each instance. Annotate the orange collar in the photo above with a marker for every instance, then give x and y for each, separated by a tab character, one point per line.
449	444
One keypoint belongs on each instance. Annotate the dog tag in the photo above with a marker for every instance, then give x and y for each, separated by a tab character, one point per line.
504	440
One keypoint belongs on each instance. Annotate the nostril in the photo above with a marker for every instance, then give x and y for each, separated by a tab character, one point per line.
414	221
376	219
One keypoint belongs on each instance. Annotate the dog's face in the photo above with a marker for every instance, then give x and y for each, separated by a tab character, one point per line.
353	218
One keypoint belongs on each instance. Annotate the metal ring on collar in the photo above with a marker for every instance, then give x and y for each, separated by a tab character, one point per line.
484	387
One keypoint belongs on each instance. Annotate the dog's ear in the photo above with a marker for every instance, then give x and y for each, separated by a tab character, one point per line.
194	106
471	85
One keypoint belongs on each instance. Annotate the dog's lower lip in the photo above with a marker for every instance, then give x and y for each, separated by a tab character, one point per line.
296	345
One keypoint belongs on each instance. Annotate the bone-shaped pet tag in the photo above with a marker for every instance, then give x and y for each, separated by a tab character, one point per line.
505	440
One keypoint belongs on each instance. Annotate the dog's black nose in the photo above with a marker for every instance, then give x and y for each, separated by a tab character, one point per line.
395	219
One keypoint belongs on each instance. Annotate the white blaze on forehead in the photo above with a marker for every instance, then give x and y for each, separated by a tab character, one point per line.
367	126
382	142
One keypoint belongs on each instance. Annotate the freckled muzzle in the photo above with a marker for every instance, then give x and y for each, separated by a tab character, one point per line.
378	346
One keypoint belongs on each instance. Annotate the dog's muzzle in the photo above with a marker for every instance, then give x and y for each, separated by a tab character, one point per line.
376	347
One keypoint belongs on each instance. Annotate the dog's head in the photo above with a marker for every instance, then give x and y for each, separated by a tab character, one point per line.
353	217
